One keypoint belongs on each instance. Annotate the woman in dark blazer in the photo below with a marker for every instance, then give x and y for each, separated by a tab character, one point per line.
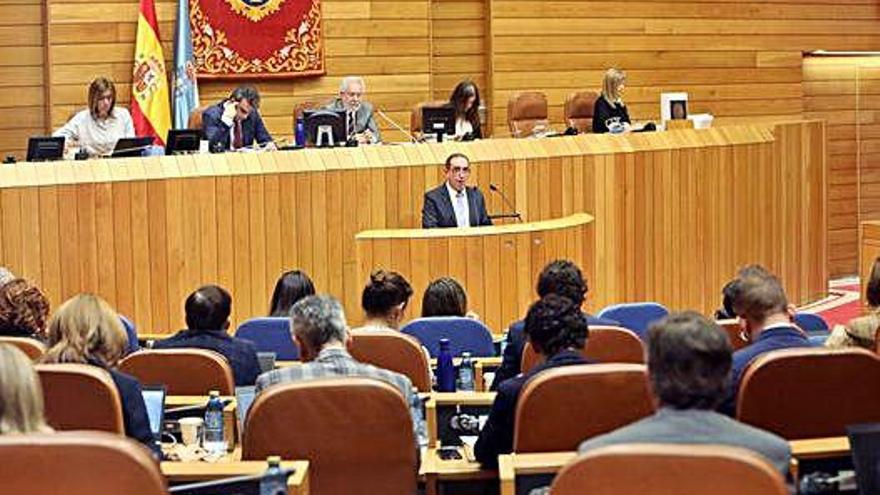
86	330
610	113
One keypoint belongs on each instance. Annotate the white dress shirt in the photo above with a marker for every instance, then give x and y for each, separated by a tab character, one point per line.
460	206
97	137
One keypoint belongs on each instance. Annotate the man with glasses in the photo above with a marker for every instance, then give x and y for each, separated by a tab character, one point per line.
359	122
453	203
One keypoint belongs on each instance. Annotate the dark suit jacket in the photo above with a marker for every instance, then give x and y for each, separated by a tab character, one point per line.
241	354
769	340
496	437
516	342
437	210
217	132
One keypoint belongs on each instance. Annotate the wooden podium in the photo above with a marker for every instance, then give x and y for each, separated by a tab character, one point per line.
497	265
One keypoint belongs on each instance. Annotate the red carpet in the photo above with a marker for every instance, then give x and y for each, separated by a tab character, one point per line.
841	305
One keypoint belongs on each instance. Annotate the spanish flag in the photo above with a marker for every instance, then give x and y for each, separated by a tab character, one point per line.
150	101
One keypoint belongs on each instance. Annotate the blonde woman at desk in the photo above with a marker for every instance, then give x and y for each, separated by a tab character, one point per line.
610	113
96	129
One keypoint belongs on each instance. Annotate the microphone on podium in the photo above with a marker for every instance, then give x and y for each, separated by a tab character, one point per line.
513	213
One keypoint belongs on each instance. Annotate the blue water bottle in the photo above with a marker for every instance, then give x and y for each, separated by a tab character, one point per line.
300	132
445	368
214	442
274	481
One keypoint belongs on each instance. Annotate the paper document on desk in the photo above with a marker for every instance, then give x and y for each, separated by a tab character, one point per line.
467	444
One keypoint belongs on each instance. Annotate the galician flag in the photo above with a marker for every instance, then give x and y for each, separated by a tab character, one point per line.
150	101
186	91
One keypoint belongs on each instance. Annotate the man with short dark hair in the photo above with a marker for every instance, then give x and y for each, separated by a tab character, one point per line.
766	320
235	122
560	277
689	361
454	203
557	330
207	320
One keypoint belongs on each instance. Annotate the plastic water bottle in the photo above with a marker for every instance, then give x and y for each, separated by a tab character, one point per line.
274	481
466	372
445	369
419	415
214	441
300	132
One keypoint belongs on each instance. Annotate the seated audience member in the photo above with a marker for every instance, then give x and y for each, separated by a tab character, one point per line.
445	297
465	99
6	275
384	300
454	203
24	310
319	329
360	124
207	320
729	291
21	397
235	122
290	288
86	330
860	331
689	361
610	110
766	320
97	128
558	331
560	277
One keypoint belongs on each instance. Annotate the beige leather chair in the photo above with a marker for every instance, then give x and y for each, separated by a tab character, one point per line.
578	110
310	104
561	407
810	392
393	351
525	112
65	390
606	344
182	371
34	349
357	434
78	463
658	469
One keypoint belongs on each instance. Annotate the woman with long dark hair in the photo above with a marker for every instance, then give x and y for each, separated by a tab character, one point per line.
465	99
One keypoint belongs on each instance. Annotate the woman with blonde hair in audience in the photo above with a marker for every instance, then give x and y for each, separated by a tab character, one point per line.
21	398
24	310
96	129
861	331
86	330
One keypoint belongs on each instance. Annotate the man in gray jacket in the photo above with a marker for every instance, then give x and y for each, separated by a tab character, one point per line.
360	125
689	360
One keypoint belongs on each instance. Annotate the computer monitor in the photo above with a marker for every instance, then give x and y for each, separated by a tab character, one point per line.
183	141
45	148
325	128
864	440
438	121
154	399
135	146
240	485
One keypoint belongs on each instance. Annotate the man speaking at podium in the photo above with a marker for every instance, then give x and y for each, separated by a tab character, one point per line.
453	204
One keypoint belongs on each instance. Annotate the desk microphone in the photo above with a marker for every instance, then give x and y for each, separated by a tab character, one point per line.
514	213
397	126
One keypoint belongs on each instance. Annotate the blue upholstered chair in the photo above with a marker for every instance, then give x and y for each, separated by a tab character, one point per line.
814	325
464	334
635	316
131	332
270	334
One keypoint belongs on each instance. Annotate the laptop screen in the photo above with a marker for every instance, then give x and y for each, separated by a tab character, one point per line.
154	399
244	397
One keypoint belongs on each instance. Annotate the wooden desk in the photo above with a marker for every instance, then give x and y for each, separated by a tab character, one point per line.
512	465
436	471
143	232
230	417
191	472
